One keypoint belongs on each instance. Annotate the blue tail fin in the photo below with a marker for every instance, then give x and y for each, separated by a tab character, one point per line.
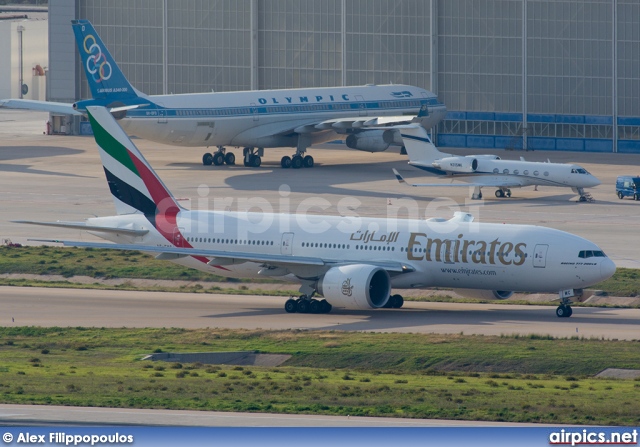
106	80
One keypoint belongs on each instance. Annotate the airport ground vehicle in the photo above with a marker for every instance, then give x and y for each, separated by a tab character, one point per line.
628	186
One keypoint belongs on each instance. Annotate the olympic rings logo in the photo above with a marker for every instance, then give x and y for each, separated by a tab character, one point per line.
97	64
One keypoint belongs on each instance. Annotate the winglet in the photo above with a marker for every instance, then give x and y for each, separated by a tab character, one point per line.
399	177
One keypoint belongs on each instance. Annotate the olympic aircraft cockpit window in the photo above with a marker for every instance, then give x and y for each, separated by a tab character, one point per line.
591	254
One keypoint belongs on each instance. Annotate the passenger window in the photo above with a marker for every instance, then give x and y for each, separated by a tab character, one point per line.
525	172
506	171
516	172
546	173
496	170
536	173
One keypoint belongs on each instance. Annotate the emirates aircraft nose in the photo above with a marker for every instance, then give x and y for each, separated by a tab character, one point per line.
607	269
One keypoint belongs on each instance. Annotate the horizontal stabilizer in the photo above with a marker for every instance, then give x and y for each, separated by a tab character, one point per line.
84	226
42	106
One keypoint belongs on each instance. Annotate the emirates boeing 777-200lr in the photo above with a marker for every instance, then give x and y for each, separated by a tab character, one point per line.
252	119
352	262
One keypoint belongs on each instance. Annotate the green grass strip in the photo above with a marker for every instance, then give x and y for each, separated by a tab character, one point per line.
517	379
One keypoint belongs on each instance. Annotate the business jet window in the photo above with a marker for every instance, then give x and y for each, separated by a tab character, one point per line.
496	170
591	254
546	173
525	172
506	171
516	172
536	173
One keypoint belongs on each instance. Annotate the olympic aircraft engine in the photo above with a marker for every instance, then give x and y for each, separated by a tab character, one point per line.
371	140
484	294
457	164
357	286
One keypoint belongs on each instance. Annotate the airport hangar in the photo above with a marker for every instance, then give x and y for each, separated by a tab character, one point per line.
540	74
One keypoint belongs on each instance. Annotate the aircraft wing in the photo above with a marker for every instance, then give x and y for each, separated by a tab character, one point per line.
222	257
341	124
490	183
42	106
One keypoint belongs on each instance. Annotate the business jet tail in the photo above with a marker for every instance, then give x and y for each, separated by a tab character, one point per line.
419	147
105	78
134	185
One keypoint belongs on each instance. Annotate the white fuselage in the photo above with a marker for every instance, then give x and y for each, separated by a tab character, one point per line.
437	253
268	118
515	173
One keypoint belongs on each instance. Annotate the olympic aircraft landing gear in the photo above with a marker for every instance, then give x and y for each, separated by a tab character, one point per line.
221	156
299	160
252	157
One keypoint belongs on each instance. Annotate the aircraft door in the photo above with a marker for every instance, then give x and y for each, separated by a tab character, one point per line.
540	256
254	111
286	248
162	116
447	254
178	238
362	107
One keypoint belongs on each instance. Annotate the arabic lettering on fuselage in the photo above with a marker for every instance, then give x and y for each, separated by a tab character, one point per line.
421	247
368	236
302	99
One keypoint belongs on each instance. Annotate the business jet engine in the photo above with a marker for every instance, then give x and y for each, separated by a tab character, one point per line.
484	294
356	286
371	140
457	164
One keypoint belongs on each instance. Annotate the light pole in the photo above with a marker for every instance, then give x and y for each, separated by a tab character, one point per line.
20	60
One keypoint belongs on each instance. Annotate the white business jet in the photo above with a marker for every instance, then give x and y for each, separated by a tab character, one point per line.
253	120
480	171
353	262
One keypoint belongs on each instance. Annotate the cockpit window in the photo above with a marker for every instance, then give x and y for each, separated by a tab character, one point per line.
591	254
582	171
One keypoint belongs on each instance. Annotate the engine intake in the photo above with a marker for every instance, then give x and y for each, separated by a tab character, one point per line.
356	286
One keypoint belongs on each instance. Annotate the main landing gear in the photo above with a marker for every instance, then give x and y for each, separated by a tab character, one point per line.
252	157
306	305
221	156
297	161
503	192
395	302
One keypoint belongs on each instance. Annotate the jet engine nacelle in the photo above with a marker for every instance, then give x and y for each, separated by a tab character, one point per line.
371	140
356	286
484	294
457	164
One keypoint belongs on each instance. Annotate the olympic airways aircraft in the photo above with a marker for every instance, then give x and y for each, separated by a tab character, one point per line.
481	171
352	262
254	120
